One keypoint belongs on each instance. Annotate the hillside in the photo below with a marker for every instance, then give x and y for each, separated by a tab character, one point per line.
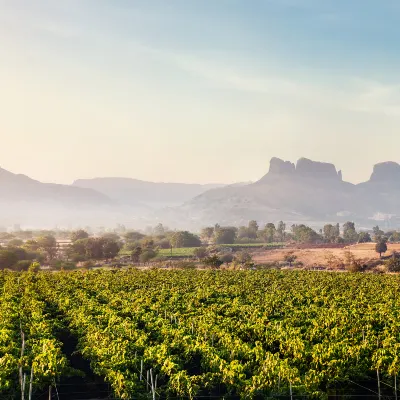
311	192
27	201
127	191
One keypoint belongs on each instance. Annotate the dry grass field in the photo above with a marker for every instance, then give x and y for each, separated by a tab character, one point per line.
320	256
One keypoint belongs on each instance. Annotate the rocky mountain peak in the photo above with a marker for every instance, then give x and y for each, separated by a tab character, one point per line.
304	168
314	169
278	166
386	171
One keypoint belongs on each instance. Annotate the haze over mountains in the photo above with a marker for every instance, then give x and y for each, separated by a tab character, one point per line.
309	192
150	195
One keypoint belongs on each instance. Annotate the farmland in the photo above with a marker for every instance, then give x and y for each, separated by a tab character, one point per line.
319	256
247	334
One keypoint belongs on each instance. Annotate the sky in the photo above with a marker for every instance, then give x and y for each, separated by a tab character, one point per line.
199	91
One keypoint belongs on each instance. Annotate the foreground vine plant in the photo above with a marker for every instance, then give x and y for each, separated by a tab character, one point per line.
251	334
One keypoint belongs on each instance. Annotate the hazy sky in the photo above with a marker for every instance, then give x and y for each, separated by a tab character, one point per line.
197	90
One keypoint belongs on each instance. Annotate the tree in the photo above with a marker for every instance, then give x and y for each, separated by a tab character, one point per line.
15	242
185	239
290	258
349	232
79	234
304	234
243	232
331	233
364	237
159	230
48	244
280	230
110	235
269	232
31	245
226	235
252	229
22	265
207	234
7	259
110	248
378	233
135	255
395	237
133	236
19	252
381	247
200	252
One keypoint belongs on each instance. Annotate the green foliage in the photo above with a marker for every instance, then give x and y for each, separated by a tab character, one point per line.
351	263
381	246
350	234
15	242
304	234
185	239
331	233
393	263
253	333
225	235
364	237
133	236
22	265
7	259
179	252
147	255
290	258
200	252
48	244
213	261
78	235
34	267
243	257
94	248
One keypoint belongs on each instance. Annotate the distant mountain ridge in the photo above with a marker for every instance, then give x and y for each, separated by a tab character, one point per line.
18	187
307	191
151	194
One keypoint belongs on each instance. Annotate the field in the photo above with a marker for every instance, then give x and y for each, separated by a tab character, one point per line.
253	245
178	252
315	257
163	334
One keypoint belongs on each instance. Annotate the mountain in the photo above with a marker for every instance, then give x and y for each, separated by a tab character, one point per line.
17	187
152	195
30	202
308	191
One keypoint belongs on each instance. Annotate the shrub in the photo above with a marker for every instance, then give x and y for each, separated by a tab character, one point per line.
243	257
290	258
200	252
213	261
22	265
352	264
393	264
226	258
147	255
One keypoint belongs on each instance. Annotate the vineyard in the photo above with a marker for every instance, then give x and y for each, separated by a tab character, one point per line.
161	334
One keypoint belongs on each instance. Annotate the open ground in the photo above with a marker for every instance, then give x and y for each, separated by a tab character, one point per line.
319	256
